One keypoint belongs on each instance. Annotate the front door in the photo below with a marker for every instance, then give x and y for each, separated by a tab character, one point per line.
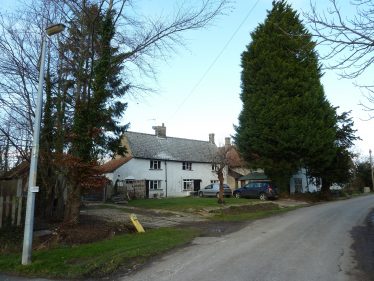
196	185
146	189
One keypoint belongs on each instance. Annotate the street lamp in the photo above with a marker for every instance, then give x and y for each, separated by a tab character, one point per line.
32	188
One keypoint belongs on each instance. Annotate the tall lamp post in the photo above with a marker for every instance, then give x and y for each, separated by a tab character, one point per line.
32	188
371	169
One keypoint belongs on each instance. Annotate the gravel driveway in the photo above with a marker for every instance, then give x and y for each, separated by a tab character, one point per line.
161	218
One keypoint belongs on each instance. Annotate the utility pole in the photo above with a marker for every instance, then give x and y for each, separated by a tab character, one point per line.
371	168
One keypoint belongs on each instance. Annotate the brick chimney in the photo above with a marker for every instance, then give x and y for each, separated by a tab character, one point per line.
227	142
160	131
211	138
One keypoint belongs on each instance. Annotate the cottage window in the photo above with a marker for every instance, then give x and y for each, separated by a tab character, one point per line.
187	166
154	184
214	167
120	183
298	185
214	181
155	165
187	185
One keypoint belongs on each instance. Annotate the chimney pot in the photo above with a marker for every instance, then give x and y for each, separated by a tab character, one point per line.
227	141
211	138
160	131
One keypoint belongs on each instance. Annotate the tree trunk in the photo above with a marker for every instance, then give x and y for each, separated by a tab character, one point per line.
282	182
59	206
325	189
220	178
72	205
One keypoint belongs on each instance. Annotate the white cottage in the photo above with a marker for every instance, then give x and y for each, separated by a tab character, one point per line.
302	183
170	167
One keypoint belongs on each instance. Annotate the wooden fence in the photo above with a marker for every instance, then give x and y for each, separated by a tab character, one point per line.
131	190
11	202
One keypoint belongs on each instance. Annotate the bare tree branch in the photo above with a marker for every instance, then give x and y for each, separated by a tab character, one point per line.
349	41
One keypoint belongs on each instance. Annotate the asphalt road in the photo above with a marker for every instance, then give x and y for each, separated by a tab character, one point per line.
313	243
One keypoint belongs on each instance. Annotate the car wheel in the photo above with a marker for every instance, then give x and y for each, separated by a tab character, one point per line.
237	195
201	194
263	196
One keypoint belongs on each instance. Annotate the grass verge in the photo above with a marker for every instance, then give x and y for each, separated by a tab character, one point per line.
99	258
251	212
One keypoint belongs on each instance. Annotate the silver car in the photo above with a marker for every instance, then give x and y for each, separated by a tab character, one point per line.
213	190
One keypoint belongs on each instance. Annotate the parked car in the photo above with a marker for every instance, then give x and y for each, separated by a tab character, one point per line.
259	189
213	190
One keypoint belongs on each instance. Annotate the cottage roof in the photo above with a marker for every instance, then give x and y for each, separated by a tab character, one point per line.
148	146
255	176
113	164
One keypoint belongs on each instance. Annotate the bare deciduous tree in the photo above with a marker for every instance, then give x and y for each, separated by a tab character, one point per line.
220	163
349	41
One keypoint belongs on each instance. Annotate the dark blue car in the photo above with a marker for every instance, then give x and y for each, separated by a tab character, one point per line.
259	189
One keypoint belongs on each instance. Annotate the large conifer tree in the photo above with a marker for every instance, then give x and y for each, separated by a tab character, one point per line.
286	122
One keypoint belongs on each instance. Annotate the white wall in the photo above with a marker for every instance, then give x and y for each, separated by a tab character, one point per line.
171	175
109	176
308	185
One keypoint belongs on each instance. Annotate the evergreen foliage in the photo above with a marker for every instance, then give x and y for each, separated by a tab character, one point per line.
93	89
363	173
286	121
98	89
340	169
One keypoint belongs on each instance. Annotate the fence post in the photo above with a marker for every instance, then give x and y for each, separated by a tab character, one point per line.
1	210
14	210
19	215
7	206
19	197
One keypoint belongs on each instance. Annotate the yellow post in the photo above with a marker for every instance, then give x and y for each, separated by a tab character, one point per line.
136	223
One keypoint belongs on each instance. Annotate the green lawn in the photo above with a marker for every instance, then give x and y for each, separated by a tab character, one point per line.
185	203
100	258
250	215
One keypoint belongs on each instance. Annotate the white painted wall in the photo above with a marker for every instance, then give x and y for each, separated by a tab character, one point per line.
171	175
110	176
308	184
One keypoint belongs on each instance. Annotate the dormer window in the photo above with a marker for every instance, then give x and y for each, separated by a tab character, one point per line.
155	165
187	166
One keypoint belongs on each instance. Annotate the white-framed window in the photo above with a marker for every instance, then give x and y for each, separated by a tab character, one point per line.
155	164
120	183
298	185
214	181
187	166
214	167
154	184
187	184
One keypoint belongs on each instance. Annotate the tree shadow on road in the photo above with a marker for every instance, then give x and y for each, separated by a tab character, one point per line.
363	247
